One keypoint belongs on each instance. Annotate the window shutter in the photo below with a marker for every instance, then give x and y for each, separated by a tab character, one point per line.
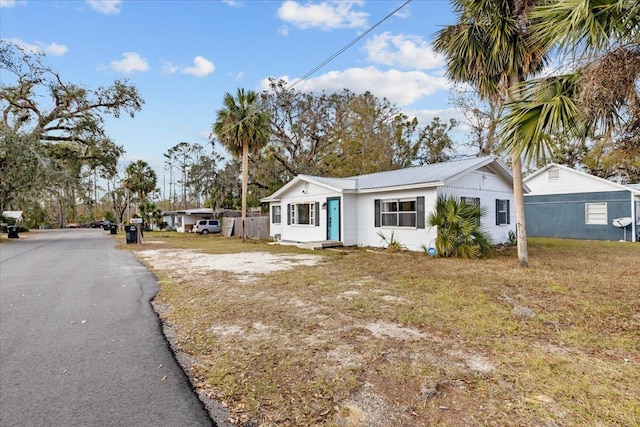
317	213
497	212
508	213
377	212
289	214
420	213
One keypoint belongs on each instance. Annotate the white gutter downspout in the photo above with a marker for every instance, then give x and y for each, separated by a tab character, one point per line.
634	215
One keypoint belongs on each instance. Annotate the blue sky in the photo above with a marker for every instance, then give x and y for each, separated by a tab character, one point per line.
184	55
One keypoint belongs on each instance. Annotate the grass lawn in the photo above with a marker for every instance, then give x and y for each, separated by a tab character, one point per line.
357	337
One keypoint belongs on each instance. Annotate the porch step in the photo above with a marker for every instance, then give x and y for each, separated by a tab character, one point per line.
324	244
321	244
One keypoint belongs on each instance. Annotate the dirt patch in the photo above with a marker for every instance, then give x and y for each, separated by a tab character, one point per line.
246	266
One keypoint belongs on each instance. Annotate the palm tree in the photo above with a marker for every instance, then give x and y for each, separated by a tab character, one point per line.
459	232
490	48
150	213
600	92
242	127
141	179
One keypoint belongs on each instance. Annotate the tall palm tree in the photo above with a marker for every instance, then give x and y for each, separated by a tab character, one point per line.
490	48
141	179
601	91
242	127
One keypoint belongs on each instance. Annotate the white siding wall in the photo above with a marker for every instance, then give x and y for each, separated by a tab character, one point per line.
412	238
357	212
349	219
568	182
306	194
488	187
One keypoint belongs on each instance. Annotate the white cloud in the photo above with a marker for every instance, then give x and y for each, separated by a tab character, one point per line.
400	87
132	62
284	30
326	15
238	76
201	67
233	3
53	49
169	68
108	7
28	48
406	51
7	3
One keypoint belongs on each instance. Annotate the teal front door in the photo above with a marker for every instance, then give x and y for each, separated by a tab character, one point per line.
333	219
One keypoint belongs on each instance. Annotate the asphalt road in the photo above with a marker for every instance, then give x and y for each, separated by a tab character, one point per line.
79	342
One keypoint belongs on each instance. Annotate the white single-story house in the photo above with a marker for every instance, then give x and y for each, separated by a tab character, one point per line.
567	203
183	220
355	210
18	216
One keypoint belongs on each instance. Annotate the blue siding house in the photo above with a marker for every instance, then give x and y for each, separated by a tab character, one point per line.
567	203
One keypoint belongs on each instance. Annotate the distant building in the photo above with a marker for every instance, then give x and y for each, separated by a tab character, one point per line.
564	202
18	216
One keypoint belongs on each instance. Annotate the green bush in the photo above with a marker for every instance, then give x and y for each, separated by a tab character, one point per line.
459	232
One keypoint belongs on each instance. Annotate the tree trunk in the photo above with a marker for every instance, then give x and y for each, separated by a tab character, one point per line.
245	178
518	184
518	195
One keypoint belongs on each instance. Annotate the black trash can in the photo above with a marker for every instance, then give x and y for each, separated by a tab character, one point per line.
5	227
132	233
12	231
113	228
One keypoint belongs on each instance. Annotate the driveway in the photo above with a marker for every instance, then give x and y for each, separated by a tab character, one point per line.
79	342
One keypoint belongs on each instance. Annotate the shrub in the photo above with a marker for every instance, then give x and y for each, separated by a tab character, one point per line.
391	244
459	232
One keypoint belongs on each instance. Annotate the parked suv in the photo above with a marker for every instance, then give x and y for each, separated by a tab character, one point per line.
206	226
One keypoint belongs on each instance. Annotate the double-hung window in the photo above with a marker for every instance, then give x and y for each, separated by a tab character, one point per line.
502	212
407	212
276	214
303	214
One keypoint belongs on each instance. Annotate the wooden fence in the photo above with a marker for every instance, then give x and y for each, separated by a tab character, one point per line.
257	227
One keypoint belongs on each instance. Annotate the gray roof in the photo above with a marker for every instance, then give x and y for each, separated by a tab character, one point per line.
335	183
427	175
195	211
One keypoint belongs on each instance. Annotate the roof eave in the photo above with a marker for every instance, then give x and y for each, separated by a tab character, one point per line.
401	187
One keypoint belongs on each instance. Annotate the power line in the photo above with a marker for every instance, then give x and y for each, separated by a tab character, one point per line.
335	55
354	41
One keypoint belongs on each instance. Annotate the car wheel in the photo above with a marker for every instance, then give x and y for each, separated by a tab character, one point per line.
205	231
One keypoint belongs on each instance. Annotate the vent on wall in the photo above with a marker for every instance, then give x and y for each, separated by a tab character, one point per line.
554	174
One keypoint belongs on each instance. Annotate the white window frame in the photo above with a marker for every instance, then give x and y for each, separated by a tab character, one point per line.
312	213
276	214
397	213
596	213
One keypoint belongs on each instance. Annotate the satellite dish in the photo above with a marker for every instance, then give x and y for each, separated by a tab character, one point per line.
623	223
